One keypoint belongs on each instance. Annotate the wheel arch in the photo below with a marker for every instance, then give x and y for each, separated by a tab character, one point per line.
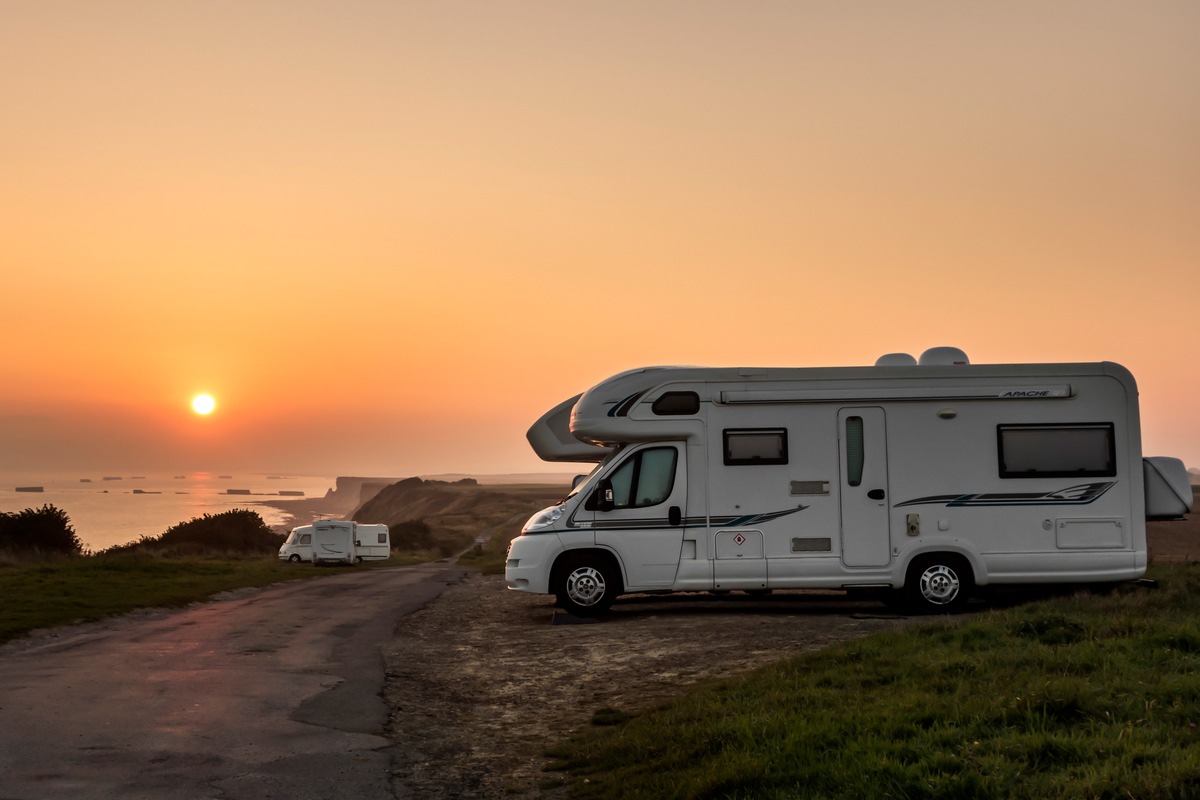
565	557
974	562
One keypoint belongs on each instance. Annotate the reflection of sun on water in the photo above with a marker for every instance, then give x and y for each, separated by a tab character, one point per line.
203	404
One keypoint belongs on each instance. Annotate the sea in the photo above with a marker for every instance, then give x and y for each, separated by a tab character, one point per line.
109	509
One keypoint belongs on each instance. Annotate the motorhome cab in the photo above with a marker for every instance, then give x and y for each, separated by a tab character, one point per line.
927	478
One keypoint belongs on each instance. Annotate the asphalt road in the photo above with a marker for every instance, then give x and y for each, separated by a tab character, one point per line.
273	693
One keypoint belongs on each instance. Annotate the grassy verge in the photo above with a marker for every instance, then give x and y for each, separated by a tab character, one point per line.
1080	696
61	591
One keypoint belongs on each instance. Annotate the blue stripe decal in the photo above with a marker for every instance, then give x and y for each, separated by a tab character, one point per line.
652	523
1071	496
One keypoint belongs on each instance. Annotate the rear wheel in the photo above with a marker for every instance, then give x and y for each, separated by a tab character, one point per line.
938	584
586	584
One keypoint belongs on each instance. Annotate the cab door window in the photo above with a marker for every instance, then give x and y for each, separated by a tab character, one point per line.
645	479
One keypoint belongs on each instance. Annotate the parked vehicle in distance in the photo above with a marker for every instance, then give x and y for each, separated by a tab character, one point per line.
334	542
921	479
374	542
337	541
298	546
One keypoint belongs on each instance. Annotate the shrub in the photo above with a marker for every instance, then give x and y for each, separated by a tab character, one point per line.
236	531
415	534
45	529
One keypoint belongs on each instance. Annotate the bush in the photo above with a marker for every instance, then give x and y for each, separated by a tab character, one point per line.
236	531
46	529
415	534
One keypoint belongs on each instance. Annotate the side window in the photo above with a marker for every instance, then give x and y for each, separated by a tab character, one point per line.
383	538
855	451
748	446
676	404
1057	451
305	538
645	479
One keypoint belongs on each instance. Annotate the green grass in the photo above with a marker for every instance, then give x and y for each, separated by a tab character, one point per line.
1085	696
61	591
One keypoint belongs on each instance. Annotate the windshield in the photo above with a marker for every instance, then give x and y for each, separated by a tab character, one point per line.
587	482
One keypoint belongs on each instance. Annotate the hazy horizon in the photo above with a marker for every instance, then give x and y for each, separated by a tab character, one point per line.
387	237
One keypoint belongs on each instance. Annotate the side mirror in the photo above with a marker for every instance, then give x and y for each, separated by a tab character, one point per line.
578	479
602	498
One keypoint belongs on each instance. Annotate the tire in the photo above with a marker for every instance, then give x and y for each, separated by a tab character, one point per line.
938	584
294	558
586	584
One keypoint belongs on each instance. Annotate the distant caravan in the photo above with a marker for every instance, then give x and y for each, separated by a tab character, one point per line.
330	541
917	479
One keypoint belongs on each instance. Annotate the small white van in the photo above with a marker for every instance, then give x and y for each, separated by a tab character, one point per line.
298	546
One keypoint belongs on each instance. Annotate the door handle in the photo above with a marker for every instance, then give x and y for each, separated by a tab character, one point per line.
876	494
674	515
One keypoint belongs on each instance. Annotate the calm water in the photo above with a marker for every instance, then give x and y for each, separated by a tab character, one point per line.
111	512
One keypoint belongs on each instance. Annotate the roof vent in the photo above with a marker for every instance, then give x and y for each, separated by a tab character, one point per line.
944	356
896	360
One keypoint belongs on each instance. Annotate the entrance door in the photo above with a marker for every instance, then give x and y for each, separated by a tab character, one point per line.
862	442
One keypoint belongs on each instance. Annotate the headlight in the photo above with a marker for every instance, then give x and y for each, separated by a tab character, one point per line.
543	519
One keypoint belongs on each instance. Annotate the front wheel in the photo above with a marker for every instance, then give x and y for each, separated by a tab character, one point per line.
294	558
938	584
586	585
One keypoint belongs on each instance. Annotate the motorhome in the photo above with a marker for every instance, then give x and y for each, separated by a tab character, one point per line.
922	479
333	542
370	542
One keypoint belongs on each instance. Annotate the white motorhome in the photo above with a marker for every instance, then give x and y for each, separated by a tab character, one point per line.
298	546
333	542
922	479
369	542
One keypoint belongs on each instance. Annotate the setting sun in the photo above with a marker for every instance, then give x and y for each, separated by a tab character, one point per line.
203	404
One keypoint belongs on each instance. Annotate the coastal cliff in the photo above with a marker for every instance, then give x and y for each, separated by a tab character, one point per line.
351	492
448	517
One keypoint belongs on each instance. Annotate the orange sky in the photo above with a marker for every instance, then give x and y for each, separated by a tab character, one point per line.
388	236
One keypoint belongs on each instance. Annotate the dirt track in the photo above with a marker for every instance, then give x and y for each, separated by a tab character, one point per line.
482	681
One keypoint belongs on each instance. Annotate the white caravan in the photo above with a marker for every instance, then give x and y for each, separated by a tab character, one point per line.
927	479
374	542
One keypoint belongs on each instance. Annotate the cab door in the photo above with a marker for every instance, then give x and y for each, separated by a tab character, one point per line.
638	513
862	442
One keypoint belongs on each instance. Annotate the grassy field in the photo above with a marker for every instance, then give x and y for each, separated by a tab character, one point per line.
1088	696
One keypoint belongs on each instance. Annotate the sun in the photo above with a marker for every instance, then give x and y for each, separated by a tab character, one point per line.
203	404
